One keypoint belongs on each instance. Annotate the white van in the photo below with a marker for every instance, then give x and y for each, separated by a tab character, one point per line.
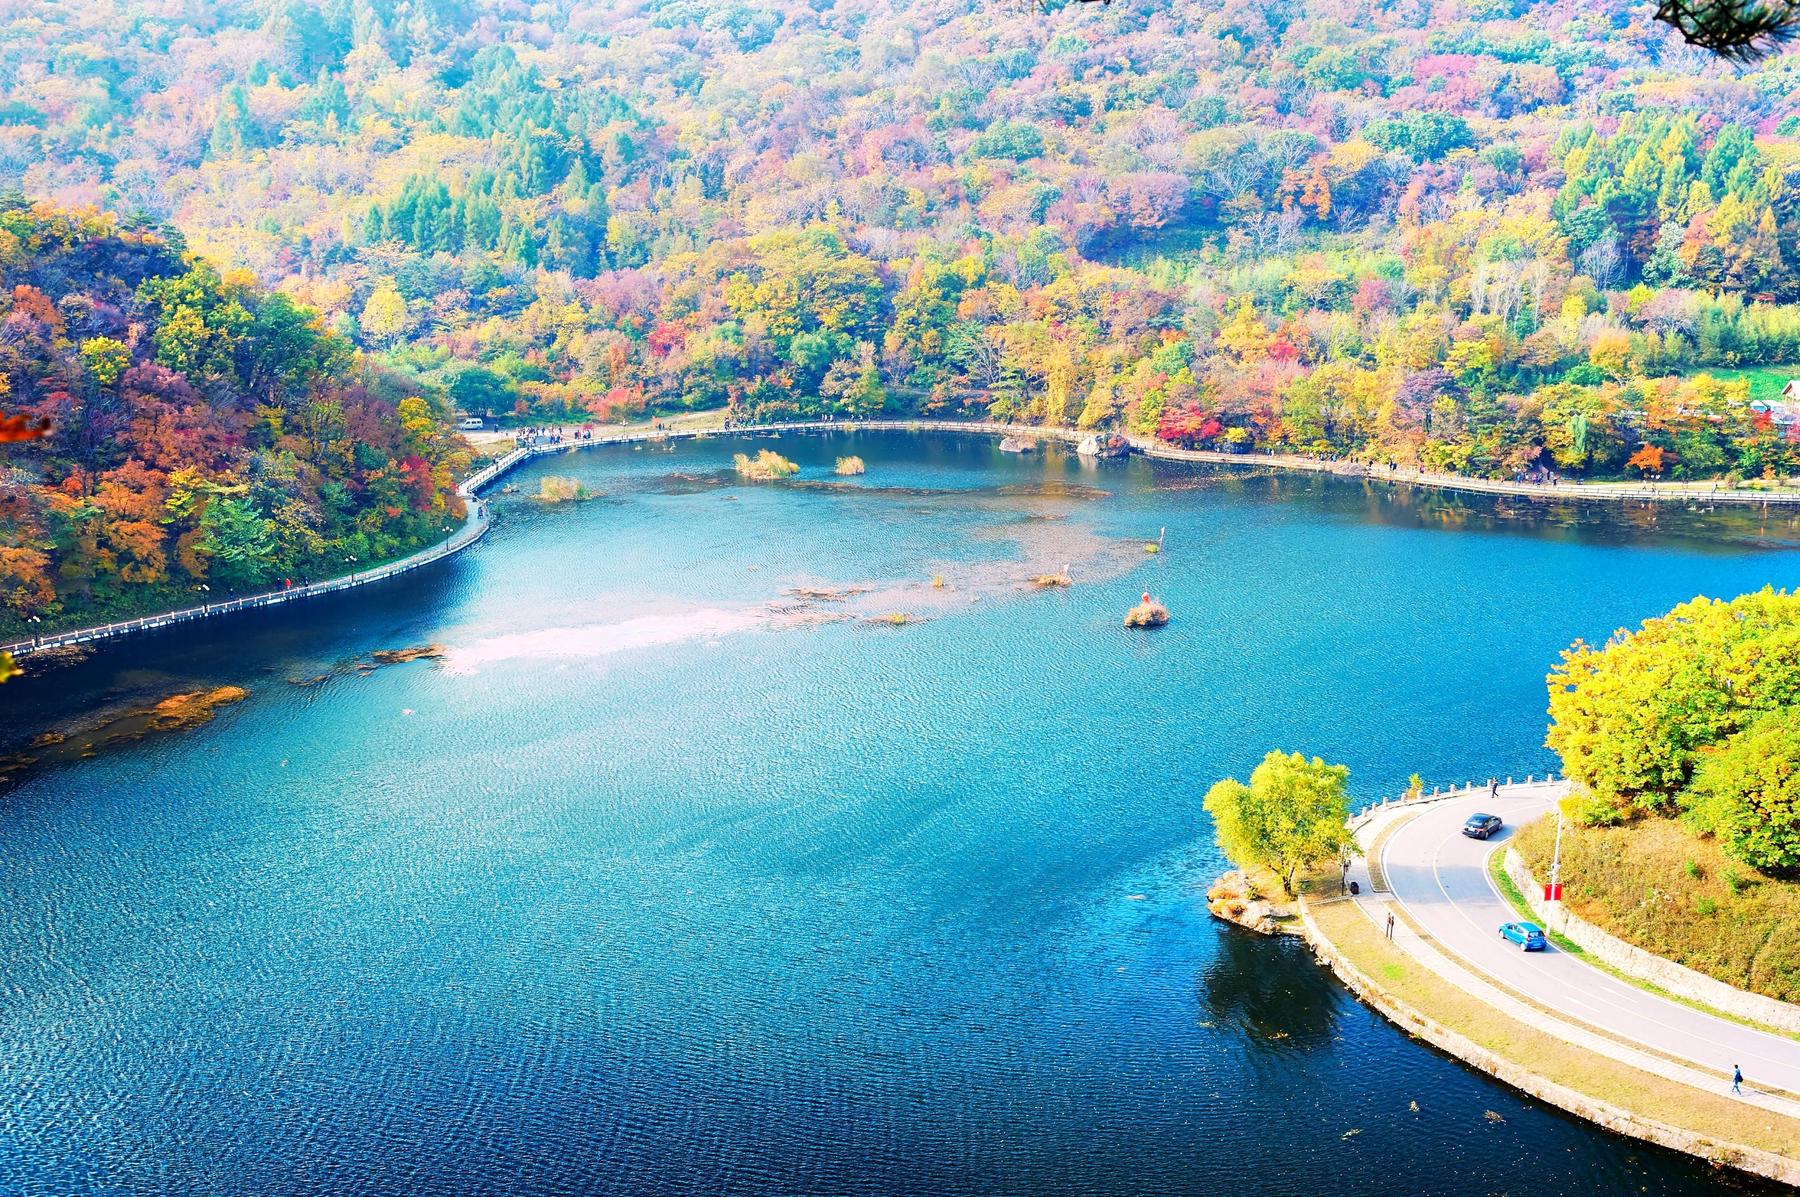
471	424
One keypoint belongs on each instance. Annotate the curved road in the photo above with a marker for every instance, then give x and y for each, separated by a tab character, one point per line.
1441	878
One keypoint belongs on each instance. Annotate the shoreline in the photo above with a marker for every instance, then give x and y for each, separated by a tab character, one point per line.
1618	1119
1631	1093
476	523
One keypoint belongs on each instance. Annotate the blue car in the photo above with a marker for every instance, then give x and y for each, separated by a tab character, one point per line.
1527	935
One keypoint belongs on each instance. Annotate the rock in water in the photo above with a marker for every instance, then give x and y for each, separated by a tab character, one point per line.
1147	614
1234	899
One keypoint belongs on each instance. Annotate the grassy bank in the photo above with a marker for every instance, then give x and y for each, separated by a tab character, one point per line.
1714	1115
1509	890
1654	884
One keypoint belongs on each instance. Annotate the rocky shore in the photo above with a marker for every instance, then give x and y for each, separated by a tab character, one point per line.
1236	898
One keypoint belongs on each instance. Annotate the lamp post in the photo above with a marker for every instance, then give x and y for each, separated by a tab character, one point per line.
1555	894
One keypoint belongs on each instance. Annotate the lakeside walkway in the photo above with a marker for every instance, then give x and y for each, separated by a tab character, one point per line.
1446	912
476	524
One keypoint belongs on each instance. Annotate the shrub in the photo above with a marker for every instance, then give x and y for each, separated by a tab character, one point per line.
1590	810
1147	614
766	466
848	467
557	489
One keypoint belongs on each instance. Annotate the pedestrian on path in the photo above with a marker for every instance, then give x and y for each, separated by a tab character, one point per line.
1737	1080
1493	789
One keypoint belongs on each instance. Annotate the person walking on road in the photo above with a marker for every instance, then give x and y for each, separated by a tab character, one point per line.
1493	789
1737	1080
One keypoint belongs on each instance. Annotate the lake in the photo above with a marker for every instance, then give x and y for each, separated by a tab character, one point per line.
686	869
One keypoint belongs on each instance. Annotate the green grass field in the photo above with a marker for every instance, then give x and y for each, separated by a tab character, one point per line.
1765	381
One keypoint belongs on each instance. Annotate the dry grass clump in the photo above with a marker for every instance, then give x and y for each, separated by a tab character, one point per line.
766	466
400	656
848	467
1656	884
1049	581
1147	614
181	711
556	488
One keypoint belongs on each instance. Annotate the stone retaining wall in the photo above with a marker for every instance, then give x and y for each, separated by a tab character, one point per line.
1634	961
1613	1118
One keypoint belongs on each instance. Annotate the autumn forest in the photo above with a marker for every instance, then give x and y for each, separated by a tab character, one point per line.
255	256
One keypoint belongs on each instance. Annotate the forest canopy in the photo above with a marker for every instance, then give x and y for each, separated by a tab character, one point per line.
206	436
1504	239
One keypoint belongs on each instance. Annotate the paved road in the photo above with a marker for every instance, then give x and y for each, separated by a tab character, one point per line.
1440	877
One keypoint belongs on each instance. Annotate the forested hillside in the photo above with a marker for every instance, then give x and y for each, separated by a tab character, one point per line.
205	436
1490	236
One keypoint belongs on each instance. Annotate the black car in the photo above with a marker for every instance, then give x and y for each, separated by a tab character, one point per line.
1479	827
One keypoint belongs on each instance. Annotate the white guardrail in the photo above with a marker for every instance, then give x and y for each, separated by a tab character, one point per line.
1443	794
477	524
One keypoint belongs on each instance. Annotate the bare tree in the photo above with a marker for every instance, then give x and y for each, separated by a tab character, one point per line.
1741	30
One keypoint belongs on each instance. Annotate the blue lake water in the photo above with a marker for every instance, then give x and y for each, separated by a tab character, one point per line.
666	879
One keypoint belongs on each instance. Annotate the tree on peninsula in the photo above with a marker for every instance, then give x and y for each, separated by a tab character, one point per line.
1292	815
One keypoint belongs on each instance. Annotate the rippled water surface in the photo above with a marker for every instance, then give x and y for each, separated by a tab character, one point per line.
666	878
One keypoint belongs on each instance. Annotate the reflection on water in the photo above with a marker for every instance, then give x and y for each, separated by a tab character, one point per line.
1297	1007
676	875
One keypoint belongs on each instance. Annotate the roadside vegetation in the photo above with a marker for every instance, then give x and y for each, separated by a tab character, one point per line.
1290	818
1657	884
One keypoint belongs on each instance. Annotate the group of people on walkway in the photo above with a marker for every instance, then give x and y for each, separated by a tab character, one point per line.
531	438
